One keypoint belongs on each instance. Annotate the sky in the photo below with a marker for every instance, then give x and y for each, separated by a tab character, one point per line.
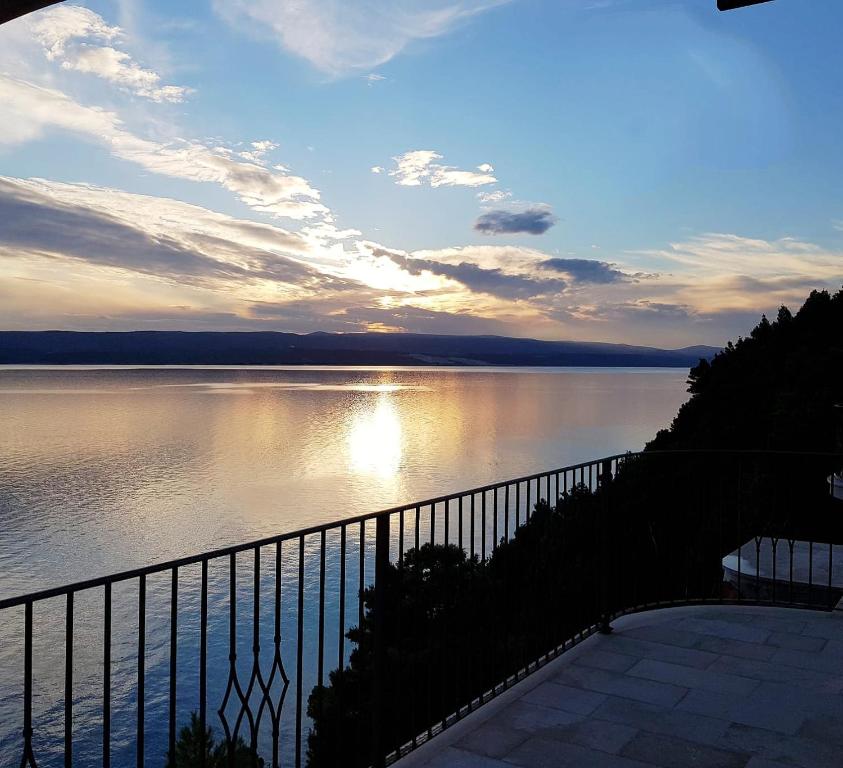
635	171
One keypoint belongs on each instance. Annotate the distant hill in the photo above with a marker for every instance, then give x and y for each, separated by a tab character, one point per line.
269	348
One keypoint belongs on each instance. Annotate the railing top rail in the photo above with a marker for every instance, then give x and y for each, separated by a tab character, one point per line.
147	570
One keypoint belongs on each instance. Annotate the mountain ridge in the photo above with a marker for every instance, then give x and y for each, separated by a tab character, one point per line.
321	348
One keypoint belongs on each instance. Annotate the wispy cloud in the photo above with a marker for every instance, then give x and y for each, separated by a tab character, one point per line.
419	167
31	110
495	196
340	37
78	39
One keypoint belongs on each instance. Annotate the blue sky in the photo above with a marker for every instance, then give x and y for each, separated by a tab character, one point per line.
645	171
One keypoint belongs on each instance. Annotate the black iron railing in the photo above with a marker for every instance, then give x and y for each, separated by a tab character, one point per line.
352	642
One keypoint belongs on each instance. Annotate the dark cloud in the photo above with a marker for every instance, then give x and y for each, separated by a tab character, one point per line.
492	281
532	221
585	270
39	223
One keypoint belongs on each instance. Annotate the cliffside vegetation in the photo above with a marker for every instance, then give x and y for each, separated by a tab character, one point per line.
774	389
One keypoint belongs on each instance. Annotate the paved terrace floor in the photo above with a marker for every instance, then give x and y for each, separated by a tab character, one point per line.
702	687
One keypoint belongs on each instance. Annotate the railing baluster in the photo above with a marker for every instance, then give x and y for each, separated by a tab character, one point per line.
256	652
361	575
740	527
472	525
68	682
810	566
361	584
506	512
341	628
495	540
141	713
203	665
414	608
106	678
174	628
483	524
28	756
401	537
299	652
379	640
459	530
528	507
341	621
321	662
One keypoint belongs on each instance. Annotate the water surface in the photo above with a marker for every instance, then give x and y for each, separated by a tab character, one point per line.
107	468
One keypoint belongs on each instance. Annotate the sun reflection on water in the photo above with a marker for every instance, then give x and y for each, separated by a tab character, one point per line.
374	438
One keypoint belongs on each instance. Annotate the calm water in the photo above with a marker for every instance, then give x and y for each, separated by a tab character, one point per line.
105	469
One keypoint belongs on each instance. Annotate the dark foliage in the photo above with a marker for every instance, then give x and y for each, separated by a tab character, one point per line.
772	390
455	627
189	750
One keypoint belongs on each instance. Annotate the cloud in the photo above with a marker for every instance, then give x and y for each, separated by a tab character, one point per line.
720	272
340	37
80	256
586	270
373	77
258	151
377	169
70	35
496	196
31	110
418	167
493	280
148	235
532	221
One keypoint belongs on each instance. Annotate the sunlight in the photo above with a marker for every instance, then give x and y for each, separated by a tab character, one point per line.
374	439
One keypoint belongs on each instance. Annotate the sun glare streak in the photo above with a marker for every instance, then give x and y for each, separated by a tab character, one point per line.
375	439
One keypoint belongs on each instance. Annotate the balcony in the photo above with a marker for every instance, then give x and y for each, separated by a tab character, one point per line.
358	642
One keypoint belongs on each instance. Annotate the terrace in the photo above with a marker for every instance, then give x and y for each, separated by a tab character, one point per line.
712	686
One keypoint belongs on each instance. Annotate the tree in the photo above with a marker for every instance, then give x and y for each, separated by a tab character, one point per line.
189	750
773	390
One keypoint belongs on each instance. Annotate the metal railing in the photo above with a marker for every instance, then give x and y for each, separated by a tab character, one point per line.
363	638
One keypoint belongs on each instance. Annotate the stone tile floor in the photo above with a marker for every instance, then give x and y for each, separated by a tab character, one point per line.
700	687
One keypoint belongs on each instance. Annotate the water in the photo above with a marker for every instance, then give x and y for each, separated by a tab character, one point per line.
105	469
